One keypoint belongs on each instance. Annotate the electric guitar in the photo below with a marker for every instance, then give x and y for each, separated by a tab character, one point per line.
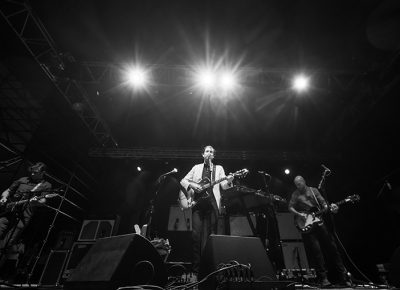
305	224
188	198
9	206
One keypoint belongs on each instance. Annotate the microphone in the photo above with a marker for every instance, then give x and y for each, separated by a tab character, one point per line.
326	168
389	186
169	172
265	173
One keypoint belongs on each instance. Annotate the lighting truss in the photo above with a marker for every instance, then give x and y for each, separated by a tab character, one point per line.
32	33
161	153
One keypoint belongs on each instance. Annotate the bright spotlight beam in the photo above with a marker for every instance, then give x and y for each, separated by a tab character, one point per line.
301	83
206	79
137	77
228	81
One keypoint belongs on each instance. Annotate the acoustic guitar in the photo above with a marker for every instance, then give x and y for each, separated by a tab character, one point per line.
188	198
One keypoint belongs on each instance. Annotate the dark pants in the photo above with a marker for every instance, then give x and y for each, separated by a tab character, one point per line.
204	223
319	240
12	225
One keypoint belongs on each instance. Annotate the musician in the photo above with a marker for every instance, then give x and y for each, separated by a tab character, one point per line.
319	239
25	188
206	211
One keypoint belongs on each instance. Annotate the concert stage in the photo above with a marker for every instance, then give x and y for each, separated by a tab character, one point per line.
182	286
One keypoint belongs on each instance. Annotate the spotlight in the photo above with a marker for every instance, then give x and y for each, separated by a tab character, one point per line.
228	81
139	168
300	83
137	77
287	171
206	79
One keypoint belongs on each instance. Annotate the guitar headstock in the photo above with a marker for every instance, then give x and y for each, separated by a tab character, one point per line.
352	198
241	173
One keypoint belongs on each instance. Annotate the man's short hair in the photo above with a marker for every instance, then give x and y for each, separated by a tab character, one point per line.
38	167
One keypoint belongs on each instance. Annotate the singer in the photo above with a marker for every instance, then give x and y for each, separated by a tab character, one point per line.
206	212
14	220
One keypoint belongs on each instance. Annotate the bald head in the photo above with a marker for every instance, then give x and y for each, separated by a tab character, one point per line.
300	182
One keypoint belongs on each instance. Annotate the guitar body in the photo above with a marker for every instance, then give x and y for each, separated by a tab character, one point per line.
305	225
188	198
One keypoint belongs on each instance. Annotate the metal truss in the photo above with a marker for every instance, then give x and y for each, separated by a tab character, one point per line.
20	112
158	153
38	42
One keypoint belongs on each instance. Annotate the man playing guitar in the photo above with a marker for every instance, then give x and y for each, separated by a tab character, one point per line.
13	221
303	200
205	212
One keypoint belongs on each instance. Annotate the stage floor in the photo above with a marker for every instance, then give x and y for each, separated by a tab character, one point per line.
297	286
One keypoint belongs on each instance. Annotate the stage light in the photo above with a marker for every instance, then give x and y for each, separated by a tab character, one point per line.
228	81
300	83
287	171
206	79
137	77
139	168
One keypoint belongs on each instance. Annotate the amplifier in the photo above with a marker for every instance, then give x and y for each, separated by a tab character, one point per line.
92	230
53	268
179	220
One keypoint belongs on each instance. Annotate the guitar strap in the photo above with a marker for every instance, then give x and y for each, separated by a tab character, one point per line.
319	205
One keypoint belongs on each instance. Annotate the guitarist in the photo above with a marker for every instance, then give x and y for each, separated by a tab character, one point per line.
13	222
205	213
304	199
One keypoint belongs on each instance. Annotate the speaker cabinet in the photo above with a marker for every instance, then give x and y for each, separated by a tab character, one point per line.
245	250
92	230
294	255
287	229
53	268
179	220
239	225
118	261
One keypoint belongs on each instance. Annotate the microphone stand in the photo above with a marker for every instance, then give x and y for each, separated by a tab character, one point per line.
50	228
149	233
322	181
276	235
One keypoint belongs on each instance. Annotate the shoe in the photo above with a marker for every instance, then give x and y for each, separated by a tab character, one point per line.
324	283
344	284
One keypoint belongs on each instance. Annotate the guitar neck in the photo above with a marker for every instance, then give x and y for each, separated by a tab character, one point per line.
218	181
325	209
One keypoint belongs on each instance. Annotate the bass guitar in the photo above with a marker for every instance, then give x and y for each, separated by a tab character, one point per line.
305	224
9	206
188	198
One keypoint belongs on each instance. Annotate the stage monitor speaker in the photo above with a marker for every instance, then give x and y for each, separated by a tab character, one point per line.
125	260
245	250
